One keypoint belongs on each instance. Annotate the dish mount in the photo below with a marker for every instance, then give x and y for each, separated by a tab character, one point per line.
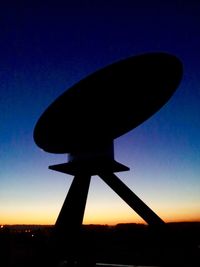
86	119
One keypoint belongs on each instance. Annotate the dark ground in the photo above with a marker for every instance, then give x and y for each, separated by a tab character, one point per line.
136	244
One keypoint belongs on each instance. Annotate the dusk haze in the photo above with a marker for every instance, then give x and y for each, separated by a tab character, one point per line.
47	49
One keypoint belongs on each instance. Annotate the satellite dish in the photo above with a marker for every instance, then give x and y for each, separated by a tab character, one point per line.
87	117
108	103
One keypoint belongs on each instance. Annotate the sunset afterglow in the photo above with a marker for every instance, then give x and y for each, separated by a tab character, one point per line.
44	51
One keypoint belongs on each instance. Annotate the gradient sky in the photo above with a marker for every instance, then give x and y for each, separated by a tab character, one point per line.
44	49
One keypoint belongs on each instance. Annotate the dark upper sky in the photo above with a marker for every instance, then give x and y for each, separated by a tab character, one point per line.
45	48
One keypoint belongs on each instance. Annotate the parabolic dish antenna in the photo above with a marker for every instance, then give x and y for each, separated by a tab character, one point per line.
85	120
108	103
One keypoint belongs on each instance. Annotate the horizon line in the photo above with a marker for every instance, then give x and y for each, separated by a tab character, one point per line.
97	224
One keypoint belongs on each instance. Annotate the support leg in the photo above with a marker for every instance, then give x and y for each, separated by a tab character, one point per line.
68	224
131	199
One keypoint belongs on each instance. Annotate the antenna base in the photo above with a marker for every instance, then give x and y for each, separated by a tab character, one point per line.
91	167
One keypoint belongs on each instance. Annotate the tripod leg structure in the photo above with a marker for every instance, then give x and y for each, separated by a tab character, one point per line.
68	224
131	199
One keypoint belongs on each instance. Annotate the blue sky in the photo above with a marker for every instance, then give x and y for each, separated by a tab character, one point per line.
44	49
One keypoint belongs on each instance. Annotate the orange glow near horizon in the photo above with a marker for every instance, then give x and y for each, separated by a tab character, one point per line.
105	211
13	221
105	219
